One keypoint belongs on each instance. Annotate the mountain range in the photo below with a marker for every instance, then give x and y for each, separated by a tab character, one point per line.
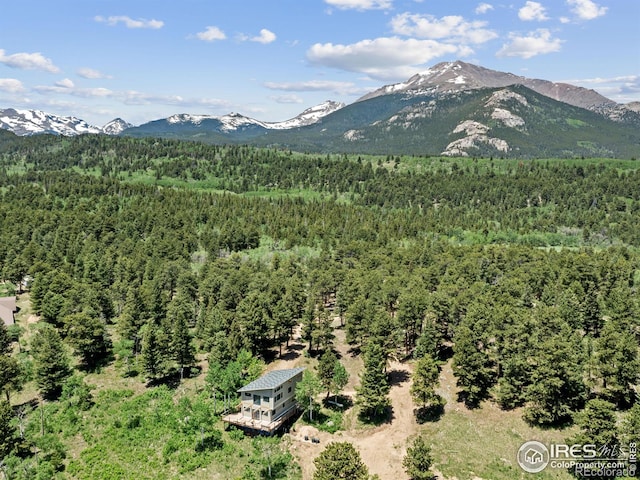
453	108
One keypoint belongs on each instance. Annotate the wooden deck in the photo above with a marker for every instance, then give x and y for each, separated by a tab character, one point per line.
257	426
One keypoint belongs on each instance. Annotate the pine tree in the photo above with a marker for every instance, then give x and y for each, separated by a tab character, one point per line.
630	429
88	337
156	353
617	362
425	379
418	460
472	366
340	378
10	375
51	364
557	387
325	370
340	460
372	395
7	430
5	340
597	424
181	344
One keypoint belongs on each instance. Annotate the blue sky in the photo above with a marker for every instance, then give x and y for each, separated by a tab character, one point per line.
271	59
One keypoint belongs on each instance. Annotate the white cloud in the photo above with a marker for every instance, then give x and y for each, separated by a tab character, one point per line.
92	74
211	34
266	36
28	61
11	85
130	22
483	8
587	9
533	11
65	83
622	89
67	87
451	27
361	4
535	43
287	99
340	88
386	58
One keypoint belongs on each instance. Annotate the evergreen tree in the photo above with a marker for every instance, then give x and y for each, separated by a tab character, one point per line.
88	337
472	366
597	424
373	394
7	430
325	369
181	344
340	460
617	362
156	353
630	429
417	462
50	362
340	378
425	378
557	387
5	340
10	375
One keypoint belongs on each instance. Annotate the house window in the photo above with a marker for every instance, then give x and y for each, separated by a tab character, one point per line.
278	397
289	390
265	399
247	394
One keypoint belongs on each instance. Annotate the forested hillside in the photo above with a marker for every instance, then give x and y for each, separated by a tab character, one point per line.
144	259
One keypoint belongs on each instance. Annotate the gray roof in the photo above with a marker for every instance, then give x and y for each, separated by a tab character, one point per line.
272	380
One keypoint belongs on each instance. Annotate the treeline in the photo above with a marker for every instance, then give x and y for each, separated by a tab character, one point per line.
543	202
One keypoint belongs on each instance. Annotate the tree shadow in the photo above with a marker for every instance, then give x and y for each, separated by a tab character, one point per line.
354	351
338	403
397	377
292	352
386	416
431	413
174	379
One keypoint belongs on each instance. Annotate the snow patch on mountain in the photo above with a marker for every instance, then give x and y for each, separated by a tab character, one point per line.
32	122
116	127
308	117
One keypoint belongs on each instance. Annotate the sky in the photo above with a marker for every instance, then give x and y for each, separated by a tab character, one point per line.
143	60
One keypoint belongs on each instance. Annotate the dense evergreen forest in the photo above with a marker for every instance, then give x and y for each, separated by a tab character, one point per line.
149	254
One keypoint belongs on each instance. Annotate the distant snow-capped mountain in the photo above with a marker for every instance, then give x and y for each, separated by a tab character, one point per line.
235	121
451	77
32	122
231	124
309	116
116	127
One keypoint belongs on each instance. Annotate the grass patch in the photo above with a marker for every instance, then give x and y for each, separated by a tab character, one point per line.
485	442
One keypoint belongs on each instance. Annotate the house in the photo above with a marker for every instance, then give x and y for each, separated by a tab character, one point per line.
7	308
268	402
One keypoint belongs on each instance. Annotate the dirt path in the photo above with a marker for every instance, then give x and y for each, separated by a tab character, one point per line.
382	448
